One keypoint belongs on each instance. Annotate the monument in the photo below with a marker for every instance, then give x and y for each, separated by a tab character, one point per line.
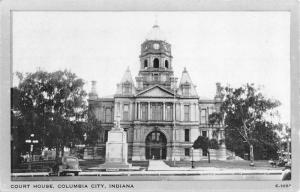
116	154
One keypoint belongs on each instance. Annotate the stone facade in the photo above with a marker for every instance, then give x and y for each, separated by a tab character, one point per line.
147	107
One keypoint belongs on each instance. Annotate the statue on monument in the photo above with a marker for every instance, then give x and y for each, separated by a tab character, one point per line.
117	123
116	147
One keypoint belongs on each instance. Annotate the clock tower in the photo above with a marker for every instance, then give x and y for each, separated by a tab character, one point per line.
155	62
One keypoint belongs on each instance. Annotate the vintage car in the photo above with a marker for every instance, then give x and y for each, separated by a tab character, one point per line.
286	172
69	164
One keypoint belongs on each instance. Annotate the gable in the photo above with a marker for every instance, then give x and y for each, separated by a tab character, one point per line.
155	92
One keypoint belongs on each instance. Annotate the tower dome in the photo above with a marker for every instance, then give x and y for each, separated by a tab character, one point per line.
156	34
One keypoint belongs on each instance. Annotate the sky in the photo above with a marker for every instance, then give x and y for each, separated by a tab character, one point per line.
232	48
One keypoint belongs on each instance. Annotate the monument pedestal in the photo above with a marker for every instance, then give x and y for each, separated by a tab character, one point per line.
116	150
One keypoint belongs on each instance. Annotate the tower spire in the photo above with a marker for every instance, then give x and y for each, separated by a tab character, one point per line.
155	21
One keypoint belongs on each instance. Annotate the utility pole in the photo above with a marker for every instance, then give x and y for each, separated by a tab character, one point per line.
31	141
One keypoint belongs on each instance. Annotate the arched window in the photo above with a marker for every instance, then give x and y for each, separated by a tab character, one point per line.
145	64
166	63
156	63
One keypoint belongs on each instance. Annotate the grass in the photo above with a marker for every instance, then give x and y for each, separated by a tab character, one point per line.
84	165
234	164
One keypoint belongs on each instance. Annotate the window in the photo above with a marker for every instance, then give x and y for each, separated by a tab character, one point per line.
169	112
186	135
155	77
105	135
187	152
126	88
145	63
204	153
156	63
204	133
186	113
186	91
155	137
203	116
107	115
126	112
166	63
156	111
144	112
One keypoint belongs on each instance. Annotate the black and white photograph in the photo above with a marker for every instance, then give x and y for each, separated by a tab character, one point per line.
162	96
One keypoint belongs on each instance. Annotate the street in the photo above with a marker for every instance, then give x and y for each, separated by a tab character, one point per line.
270	177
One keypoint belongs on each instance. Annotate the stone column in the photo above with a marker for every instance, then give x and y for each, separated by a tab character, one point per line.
149	111
130	111
140	111
164	111
197	113
181	111
135	111
121	110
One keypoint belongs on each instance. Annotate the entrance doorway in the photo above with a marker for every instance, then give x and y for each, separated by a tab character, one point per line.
156	145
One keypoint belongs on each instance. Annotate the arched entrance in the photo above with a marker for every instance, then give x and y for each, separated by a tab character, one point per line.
156	145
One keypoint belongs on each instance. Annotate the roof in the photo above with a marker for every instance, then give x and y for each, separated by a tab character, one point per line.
153	92
185	77
156	34
127	77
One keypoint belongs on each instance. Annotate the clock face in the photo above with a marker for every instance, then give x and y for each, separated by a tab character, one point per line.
156	46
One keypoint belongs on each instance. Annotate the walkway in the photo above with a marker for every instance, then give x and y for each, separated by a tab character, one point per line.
155	165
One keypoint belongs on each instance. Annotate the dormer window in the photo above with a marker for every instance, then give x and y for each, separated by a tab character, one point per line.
156	63
186	90
145	63
166	64
126	88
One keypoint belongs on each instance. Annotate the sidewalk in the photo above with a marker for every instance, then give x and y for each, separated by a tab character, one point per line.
171	171
206	171
160	168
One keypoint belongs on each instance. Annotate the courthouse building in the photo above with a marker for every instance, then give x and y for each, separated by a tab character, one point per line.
161	115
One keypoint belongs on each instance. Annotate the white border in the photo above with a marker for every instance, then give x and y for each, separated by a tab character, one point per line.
155	5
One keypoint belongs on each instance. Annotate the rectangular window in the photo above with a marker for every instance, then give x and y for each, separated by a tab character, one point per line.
126	112
155	77
204	133
186	91
144	112
203	116
187	152
156	111
169	112
107	115
105	135
204	153
126	88
186	112
186	135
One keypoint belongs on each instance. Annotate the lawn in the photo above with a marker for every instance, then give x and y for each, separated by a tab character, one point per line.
85	164
224	164
233	164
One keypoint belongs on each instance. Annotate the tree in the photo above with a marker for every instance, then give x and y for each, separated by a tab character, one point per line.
245	112
205	144
50	105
